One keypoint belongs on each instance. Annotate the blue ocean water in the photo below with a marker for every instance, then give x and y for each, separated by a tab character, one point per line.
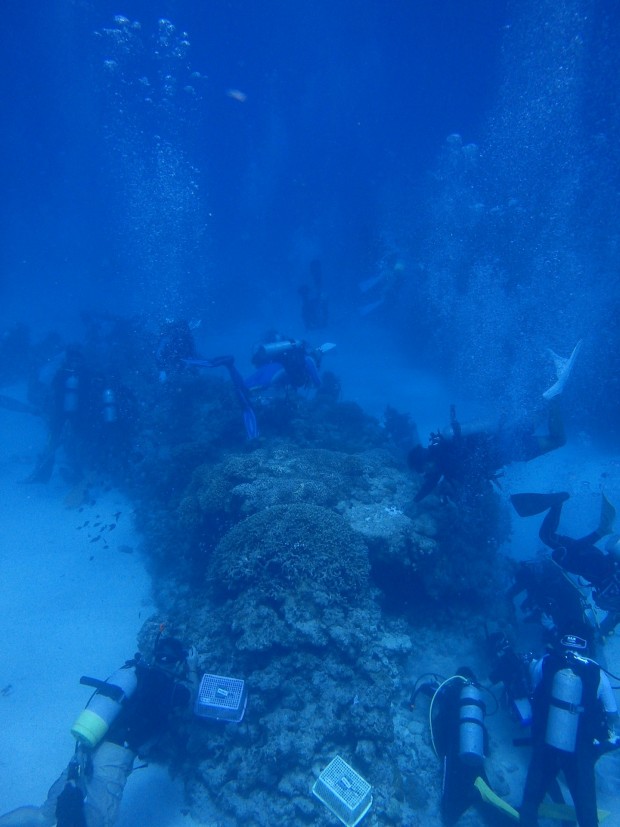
198	157
454	167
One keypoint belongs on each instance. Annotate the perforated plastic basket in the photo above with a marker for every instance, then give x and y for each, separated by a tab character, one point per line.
221	698
343	791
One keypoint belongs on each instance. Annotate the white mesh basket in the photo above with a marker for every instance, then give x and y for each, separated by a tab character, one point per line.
221	698
343	791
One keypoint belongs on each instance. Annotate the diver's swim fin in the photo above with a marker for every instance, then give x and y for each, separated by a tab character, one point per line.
607	519
563	812
489	797
563	368
526	505
251	425
548	809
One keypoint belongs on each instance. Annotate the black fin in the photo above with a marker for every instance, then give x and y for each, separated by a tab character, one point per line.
526	505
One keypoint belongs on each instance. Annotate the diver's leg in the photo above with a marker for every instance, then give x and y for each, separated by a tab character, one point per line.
579	773
111	767
548	529
243	395
542	770
312	371
556	436
456	791
535	445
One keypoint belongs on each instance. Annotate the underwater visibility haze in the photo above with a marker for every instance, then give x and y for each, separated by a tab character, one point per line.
275	242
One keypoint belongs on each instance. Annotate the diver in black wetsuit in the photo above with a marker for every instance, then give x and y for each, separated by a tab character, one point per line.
578	556
460	740
550	598
468	459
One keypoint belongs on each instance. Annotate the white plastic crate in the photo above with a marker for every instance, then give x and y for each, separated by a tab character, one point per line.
224	699
343	791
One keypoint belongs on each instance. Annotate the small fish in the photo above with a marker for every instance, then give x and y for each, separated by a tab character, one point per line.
125	549
103	528
95	539
117	515
112	526
237	95
6	690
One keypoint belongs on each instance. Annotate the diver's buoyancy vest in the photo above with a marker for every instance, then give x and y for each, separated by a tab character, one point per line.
471	725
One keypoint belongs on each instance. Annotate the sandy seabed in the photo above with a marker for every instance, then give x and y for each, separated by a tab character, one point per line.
75	593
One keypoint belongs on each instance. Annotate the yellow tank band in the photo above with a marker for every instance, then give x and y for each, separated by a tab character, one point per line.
89	728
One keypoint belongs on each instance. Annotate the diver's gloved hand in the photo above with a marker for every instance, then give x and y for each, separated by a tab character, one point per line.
192	659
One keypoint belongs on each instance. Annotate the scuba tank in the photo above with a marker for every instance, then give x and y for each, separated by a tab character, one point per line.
70	396
564	710
109	411
471	725
271	350
105	704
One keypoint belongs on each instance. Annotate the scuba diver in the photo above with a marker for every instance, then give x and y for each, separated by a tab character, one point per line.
280	363
460	740
126	714
89	415
462	461
469	457
68	409
511	669
574	720
551	599
314	307
580	557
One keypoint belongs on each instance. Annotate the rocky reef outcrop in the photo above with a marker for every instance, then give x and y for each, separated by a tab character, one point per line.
301	565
